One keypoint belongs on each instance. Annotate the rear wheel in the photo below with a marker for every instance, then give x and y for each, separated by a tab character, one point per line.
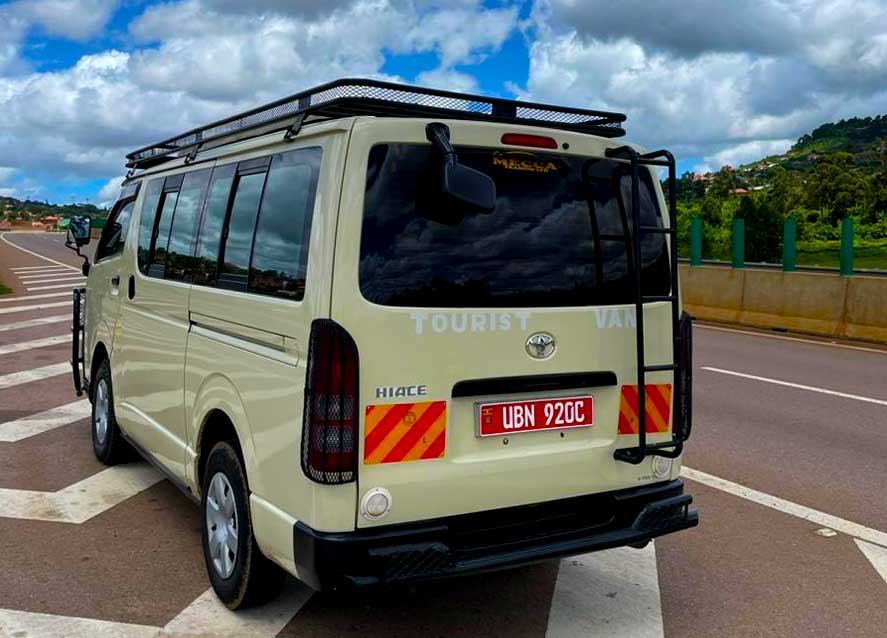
107	441
240	574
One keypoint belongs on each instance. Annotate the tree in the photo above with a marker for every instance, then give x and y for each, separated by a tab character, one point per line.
763	230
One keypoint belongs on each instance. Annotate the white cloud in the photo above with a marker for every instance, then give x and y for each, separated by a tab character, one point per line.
204	59
108	193
747	152
716	81
73	19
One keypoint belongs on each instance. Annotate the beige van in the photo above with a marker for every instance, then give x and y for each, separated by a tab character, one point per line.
383	333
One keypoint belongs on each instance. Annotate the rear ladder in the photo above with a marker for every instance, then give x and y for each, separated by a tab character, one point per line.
680	325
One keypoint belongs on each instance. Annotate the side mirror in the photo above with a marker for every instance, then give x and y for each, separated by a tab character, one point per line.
462	185
79	231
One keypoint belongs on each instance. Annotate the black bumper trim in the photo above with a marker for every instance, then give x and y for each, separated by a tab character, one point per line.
503	538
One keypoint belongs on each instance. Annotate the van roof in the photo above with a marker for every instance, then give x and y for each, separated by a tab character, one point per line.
349	97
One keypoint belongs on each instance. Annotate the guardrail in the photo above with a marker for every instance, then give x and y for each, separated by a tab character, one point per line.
867	272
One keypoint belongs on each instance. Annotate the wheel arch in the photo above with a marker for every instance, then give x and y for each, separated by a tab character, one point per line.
219	415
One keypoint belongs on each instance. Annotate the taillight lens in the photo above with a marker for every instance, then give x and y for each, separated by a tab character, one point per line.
329	432
684	376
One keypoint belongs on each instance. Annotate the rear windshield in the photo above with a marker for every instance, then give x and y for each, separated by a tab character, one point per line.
555	238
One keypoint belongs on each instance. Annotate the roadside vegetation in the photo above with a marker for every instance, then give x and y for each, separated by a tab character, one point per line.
4	290
837	171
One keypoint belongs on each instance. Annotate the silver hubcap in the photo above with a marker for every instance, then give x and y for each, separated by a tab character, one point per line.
221	525
101	411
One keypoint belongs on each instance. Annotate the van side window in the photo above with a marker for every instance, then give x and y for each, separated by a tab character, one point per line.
157	266
280	250
146	222
238	237
209	242
114	234
179	259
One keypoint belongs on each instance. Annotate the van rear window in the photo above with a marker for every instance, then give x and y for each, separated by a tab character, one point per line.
555	238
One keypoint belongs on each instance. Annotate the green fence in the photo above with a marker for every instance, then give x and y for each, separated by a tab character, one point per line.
847	254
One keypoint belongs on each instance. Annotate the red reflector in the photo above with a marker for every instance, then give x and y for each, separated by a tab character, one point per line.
536	141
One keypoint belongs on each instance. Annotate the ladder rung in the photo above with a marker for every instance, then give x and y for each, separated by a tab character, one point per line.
658	230
649	298
665	367
612	237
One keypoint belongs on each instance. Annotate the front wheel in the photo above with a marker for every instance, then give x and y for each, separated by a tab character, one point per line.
240	574
108	443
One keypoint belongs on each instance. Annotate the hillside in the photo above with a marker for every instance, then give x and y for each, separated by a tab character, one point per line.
865	138
12	208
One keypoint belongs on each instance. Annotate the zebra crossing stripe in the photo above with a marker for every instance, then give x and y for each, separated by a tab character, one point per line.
39	306
9	348
35	374
32	323
28	426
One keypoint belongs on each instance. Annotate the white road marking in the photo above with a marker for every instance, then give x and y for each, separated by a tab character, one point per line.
81	501
26	269
46	295
609	593
39	306
45	342
814	342
52	280
35	374
206	617
31	252
834	393
877	557
56	286
32	323
55	272
34	424
787	507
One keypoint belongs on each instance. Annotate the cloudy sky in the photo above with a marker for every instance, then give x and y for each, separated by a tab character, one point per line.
84	81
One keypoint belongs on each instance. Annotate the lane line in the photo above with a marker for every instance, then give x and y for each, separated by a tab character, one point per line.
34	424
81	501
45	342
787	507
35	374
799	386
845	346
31	323
609	593
70	286
31	252
877	557
206	617
45	295
39	306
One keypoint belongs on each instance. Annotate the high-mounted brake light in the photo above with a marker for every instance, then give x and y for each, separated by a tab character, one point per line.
534	141
329	448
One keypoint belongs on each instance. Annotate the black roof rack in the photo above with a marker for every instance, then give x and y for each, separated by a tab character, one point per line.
349	97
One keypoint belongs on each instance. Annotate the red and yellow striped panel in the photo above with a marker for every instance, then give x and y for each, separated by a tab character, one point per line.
405	432
658	404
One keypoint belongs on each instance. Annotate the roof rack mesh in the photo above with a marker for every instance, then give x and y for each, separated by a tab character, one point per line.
349	97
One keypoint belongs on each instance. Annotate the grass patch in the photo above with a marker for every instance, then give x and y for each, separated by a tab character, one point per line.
869	255
4	290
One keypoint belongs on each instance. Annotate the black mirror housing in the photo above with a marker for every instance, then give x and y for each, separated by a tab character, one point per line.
461	184
79	231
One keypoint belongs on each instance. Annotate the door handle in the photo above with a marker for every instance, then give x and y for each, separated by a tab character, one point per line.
132	287
115	280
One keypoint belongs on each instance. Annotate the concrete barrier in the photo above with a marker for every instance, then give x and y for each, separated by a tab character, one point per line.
817	303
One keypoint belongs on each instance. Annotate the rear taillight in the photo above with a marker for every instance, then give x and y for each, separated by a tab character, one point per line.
684	377
329	447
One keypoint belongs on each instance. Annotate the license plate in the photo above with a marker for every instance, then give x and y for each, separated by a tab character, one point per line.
513	417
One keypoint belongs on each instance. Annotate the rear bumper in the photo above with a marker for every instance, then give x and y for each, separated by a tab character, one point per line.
491	540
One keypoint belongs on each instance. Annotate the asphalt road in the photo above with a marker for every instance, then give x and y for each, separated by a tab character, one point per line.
790	438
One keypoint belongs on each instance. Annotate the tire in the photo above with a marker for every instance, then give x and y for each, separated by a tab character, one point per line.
238	571
107	441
